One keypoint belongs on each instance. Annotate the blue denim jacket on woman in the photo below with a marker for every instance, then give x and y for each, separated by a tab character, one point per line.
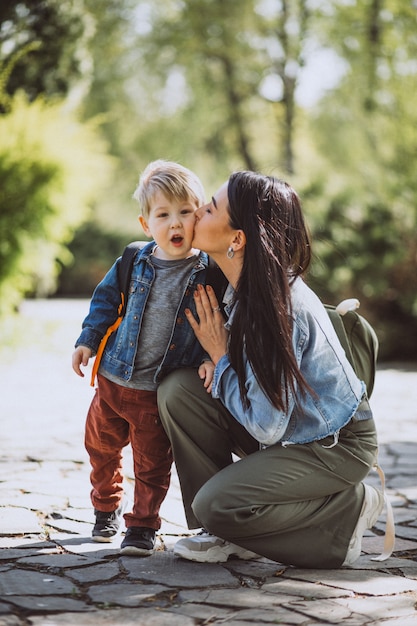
322	361
183	349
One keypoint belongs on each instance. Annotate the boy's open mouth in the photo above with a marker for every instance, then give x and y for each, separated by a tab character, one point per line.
177	240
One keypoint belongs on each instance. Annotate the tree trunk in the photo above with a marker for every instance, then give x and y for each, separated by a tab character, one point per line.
235	102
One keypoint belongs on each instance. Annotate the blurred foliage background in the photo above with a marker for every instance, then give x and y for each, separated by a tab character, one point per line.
319	92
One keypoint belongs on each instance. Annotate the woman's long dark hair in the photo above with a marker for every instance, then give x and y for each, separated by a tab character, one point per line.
277	251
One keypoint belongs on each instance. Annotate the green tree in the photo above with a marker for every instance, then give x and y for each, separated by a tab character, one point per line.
367	130
51	168
228	53
54	35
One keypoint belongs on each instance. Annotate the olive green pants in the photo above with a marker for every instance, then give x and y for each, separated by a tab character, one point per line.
297	505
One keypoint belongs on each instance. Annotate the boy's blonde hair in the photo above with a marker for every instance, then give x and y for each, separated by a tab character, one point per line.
173	180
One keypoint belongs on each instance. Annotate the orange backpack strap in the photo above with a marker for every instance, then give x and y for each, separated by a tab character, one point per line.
103	342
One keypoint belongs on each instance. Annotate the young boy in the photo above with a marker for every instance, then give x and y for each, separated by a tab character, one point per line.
153	338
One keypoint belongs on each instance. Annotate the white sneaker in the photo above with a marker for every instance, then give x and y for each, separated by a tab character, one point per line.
206	548
373	504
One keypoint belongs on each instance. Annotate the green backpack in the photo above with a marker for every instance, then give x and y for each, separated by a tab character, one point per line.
358	340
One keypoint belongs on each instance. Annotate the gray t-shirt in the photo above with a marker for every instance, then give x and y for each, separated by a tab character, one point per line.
158	321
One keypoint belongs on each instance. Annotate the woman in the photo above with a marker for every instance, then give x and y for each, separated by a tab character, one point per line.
284	398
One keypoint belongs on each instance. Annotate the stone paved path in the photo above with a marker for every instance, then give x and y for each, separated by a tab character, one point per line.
51	574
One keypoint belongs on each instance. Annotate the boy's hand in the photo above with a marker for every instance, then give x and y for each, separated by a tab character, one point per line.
206	371
81	356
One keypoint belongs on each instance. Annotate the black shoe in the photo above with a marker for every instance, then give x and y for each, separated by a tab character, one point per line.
138	541
107	524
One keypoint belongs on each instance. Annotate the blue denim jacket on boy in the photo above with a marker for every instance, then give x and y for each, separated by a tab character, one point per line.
321	358
183	349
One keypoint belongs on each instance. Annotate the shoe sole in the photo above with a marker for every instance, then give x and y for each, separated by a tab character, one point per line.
133	551
99	539
216	554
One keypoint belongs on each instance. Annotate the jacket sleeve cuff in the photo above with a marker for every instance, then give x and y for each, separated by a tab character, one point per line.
222	365
90	339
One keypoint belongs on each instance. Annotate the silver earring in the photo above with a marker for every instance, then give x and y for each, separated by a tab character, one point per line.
230	252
